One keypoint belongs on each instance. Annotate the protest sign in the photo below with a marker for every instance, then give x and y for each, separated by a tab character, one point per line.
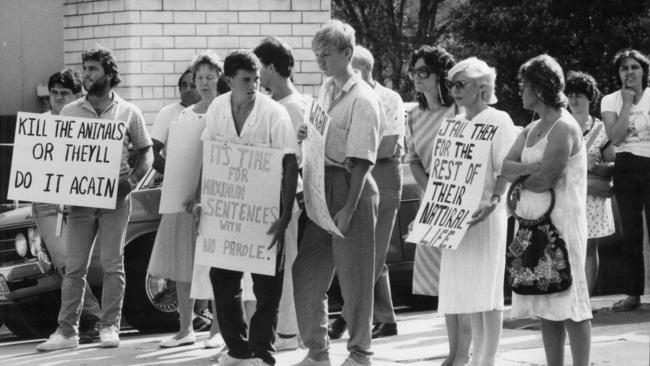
240	200
313	171
66	160
457	176
182	166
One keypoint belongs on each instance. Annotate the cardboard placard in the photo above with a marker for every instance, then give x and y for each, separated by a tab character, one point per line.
240	200
66	160
457	177
182	166
313	171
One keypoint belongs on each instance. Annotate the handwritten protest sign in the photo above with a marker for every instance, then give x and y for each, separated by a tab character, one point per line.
313	171
457	177
66	160
240	200
182	166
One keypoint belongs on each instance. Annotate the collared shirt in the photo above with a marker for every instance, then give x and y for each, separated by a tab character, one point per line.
355	115
119	109
267	125
393	107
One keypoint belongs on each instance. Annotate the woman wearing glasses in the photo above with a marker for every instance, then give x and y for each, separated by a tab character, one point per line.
550	153
471	277
428	69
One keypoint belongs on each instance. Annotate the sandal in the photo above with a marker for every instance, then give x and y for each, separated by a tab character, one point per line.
628	304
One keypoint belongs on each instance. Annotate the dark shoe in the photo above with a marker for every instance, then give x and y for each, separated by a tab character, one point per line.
337	328
384	330
627	304
88	330
202	321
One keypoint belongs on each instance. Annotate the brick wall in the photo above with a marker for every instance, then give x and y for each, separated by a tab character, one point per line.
154	40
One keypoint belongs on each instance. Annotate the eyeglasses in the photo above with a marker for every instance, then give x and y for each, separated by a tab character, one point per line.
522	85
458	84
421	73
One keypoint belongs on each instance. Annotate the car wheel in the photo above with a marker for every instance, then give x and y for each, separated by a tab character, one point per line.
34	317
149	303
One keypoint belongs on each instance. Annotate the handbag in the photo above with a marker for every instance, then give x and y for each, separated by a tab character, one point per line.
537	260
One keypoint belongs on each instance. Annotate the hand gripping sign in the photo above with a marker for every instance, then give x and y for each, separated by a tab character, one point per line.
66	160
456	181
313	171
240	200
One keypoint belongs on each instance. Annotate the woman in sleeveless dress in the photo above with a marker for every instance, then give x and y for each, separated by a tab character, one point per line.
471	276
583	93
173	253
428	70
551	153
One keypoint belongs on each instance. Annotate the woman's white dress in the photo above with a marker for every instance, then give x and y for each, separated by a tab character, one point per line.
570	218
471	277
173	251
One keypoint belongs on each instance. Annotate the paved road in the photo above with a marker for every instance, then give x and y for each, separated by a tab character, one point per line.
617	339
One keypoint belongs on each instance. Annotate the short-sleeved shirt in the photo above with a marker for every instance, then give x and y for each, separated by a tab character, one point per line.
355	118
422	126
119	109
167	115
267	125
637	140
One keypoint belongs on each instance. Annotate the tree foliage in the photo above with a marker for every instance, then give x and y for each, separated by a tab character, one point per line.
581	35
391	30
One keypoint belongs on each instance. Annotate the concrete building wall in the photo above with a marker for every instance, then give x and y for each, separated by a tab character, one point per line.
31	49
154	40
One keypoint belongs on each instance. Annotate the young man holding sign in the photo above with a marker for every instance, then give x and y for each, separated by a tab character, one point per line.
100	75
351	146
65	87
245	116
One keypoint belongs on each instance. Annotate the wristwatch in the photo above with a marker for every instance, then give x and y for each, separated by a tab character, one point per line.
495	199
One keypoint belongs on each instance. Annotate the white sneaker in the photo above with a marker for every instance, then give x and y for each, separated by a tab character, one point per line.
215	341
190	338
310	362
58	341
286	344
109	337
228	360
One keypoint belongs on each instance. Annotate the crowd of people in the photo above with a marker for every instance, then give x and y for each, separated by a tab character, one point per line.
562	152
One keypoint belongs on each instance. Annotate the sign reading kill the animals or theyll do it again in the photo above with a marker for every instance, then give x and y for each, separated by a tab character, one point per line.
456	180
240	200
66	160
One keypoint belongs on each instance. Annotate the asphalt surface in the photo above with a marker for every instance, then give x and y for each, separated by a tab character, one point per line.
617	339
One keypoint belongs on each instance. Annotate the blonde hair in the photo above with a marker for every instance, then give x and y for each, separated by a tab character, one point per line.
479	71
363	56
335	34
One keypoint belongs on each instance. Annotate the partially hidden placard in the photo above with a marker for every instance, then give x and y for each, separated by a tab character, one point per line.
66	160
240	200
313	171
456	180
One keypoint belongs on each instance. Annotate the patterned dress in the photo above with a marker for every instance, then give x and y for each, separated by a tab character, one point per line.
600	219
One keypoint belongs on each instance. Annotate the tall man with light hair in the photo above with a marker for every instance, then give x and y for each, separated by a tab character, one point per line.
105	227
388	175
352	198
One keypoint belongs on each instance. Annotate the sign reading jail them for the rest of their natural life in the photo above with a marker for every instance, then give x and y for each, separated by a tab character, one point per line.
240	200
313	170
66	160
456	179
